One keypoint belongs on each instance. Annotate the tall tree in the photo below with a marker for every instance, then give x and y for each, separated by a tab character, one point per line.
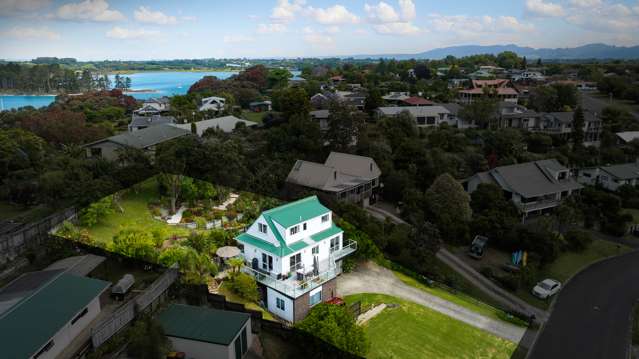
344	125
578	127
449	205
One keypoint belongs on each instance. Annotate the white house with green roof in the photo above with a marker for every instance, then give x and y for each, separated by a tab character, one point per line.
294	252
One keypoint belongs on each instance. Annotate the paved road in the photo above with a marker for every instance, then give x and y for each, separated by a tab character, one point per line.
591	317
372	278
596	104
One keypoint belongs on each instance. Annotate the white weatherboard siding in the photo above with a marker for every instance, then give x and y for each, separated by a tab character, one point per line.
251	252
287	313
195	349
313	225
67	333
255	232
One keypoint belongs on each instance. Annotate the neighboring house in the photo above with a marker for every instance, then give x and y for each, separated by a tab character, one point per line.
203	333
453	117
321	116
142	122
321	101
512	115
337	79
146	140
395	98
154	106
501	89
343	177
534	187
528	76
213	104
261	106
561	124
295	253
41	313
417	101
610	177
425	116
627	137
225	123
355	99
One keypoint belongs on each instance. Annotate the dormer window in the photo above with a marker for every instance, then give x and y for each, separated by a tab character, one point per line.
262	228
304	226
294	230
325	218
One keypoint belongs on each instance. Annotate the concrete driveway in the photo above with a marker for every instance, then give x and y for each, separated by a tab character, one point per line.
372	278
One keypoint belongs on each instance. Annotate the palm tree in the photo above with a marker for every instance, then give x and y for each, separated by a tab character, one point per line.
197	268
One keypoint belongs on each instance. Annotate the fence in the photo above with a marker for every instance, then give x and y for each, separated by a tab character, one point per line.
13	244
125	314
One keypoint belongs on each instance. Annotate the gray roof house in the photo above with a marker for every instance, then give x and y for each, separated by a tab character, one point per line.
627	136
611	177
343	177
225	123
146	139
154	106
534	187
142	122
424	116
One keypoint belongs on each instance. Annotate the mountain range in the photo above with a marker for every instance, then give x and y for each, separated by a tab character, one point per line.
590	51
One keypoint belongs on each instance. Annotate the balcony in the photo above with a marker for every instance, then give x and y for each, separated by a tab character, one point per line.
291	286
348	247
538	205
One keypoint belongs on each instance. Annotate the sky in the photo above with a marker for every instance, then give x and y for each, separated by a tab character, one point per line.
171	29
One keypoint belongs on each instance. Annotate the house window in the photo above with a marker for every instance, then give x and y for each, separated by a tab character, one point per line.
262	227
82	314
45	349
279	303
267	262
315	298
334	244
304	226
315	250
295	230
296	261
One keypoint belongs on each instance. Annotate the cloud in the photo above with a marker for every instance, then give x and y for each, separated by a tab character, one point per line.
145	14
237	39
474	26
270	28
334	15
92	10
321	38
12	7
286	11
397	28
30	33
389	21
585	3
615	18
131	34
544	9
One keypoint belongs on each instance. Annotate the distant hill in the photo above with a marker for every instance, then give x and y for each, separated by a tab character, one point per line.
590	51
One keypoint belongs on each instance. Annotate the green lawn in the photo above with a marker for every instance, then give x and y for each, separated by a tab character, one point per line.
461	299
136	215
232	297
413	331
253	116
570	263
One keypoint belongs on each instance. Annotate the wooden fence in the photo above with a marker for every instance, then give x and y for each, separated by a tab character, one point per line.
112	324
15	243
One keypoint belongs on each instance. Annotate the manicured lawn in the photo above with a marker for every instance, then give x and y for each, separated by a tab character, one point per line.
253	116
232	297
136	215
461	299
413	331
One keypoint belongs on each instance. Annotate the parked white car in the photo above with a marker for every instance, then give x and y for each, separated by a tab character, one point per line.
546	288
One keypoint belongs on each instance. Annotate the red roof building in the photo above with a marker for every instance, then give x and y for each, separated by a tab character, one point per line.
417	101
500	88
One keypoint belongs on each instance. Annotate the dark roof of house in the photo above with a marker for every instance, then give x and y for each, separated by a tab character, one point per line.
452	107
202	324
530	179
147	121
623	171
146	137
358	166
43	302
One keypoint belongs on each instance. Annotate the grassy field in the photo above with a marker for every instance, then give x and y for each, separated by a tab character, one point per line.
232	297
570	263
253	116
413	331
461	299
136	215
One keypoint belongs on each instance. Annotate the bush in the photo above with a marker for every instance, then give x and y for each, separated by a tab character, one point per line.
348	265
200	221
578	241
245	286
510	282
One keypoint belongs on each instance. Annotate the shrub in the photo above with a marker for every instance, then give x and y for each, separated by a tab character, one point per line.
245	286
200	221
348	265
510	282
578	240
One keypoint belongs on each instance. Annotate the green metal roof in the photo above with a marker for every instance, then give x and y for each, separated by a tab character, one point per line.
280	251
327	233
33	321
202	324
296	212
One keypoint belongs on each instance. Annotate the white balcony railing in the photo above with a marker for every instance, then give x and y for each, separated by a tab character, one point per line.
348	247
291	286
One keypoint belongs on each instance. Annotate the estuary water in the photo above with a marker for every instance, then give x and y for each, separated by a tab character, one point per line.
154	84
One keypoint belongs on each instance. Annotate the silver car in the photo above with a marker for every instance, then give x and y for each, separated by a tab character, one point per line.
546	288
